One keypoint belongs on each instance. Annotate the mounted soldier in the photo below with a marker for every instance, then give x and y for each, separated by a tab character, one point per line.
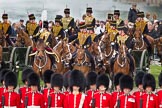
68	22
117	18
89	19
7	30
32	28
113	31
108	22
57	30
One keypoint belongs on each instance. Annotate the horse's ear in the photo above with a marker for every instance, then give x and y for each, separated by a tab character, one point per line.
77	46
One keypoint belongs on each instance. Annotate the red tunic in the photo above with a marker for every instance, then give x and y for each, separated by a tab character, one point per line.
23	91
127	101
159	93
115	96
2	90
150	101
74	101
138	97
103	100
11	99
35	99
57	99
90	95
46	93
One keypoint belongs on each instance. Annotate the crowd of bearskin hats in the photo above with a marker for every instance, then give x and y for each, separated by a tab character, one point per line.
74	90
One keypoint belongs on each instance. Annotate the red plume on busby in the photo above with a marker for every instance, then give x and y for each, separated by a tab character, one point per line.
10	79
160	79
149	81
102	79
77	79
25	74
33	79
126	81
56	80
116	78
138	78
47	76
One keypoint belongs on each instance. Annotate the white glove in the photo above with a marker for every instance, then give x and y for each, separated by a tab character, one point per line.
66	30
41	30
31	37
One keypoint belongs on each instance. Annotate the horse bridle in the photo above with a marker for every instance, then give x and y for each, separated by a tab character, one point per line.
125	58
143	43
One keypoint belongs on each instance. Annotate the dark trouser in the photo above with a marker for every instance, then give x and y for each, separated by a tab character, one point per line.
8	40
149	48
131	64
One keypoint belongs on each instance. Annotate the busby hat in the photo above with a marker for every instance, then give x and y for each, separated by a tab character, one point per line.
77	79
89	10
117	12
67	11
110	16
10	79
149	81
91	78
47	76
139	77
21	20
56	80
160	79
33	80
113	23
5	16
31	17
102	79
66	78
25	74
2	74
126	81
116	78
45	24
58	18
140	14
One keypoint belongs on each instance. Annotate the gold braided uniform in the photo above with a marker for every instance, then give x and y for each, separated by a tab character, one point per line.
122	39
1	25
93	35
118	22
66	21
56	31
107	27
5	27
31	27
82	37
89	21
45	36
112	33
141	25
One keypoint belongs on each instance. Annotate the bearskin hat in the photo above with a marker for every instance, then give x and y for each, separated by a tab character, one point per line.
116	78
77	79
149	81
56	80
25	73
66	78
139	77
89	10
5	16
102	79
33	79
126	81
67	11
91	78
10	79
160	79
47	76
2	74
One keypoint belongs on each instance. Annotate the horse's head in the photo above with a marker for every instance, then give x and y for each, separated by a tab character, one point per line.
105	40
81	54
96	51
122	51
138	35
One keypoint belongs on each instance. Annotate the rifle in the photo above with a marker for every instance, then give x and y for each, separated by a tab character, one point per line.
49	101
26	101
3	101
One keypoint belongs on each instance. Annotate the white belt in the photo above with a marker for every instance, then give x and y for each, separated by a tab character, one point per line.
10	107
33	106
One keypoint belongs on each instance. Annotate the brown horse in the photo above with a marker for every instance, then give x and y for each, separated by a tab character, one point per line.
107	50
158	43
122	63
23	39
3	42
82	61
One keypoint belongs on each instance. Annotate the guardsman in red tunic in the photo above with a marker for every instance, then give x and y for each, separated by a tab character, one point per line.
56	97
66	78
126	100
149	99
46	91
117	92
102	98
76	98
10	98
2	88
138	94
159	93
33	99
25	89
91	83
